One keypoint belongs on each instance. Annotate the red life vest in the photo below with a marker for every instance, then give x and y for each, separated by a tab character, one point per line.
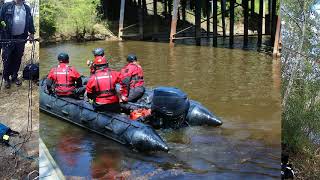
103	84
135	114
135	73
64	78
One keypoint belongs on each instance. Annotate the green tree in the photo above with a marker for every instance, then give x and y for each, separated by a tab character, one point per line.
48	14
300	75
70	18
77	16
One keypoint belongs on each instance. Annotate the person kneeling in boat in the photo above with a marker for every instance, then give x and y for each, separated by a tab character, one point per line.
96	53
101	87
132	77
64	80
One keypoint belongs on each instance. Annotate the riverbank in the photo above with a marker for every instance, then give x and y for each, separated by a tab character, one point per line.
306	166
100	32
13	113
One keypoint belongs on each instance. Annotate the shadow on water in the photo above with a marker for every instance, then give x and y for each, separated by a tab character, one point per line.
241	87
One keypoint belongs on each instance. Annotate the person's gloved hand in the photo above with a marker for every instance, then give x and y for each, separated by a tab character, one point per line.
89	63
90	101
123	99
86	98
3	24
31	37
48	91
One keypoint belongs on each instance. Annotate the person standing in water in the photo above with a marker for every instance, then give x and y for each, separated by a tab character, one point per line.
16	26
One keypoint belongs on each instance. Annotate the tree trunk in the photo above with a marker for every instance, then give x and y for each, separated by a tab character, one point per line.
297	64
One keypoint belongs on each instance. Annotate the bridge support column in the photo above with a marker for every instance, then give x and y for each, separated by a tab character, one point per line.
174	20
122	6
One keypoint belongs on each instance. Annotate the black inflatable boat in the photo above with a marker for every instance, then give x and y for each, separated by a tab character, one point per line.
170	108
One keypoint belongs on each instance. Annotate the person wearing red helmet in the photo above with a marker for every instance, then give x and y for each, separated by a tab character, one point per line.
96	53
64	80
101	87
132	77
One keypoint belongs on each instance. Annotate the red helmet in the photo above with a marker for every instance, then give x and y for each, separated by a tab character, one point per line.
100	60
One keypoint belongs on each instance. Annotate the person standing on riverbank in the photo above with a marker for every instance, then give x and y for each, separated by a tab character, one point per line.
16	25
132	77
1	4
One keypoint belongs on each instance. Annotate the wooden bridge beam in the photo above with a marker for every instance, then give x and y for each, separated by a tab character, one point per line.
260	23
170	7
231	38
183	6
121	19
246	22
277	40
198	22
155	17
252	8
215	22
223	19
208	17
268	28
140	16
273	19
174	20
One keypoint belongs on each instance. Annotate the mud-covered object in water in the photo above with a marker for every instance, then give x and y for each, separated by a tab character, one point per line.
31	72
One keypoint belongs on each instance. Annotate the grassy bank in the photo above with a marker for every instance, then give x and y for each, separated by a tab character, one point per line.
306	165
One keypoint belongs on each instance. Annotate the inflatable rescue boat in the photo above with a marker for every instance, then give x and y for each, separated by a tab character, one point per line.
169	107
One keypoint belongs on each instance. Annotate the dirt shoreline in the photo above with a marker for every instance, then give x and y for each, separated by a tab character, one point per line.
100	33
306	166
305	163
69	38
14	113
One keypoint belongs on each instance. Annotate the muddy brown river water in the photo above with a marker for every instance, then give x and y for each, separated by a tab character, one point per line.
241	87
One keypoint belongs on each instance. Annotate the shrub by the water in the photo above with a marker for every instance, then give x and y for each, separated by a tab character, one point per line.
69	18
300	76
48	14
